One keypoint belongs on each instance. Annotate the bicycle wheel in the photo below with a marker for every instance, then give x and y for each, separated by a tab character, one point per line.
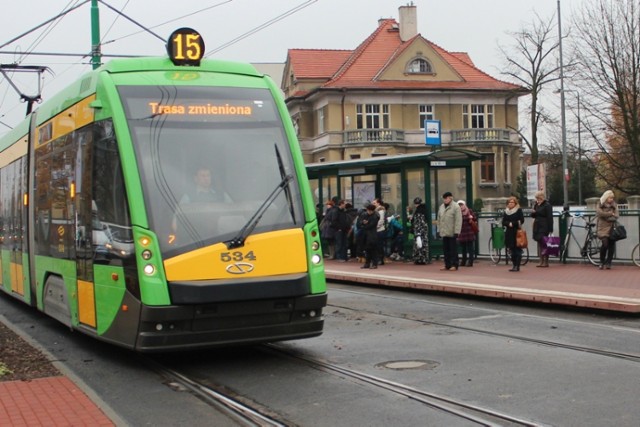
592	250
635	255
564	250
494	253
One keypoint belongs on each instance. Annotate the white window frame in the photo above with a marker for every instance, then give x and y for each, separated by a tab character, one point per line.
477	116
419	66
425	113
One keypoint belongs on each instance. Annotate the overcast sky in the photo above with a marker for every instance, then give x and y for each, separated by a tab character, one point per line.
473	26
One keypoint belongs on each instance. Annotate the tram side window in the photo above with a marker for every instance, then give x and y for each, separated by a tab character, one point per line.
12	185
110	209
55	176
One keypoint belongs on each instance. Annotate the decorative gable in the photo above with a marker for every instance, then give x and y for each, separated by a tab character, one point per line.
417	53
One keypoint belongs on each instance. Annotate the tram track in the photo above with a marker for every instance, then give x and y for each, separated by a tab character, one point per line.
633	357
236	407
259	412
250	413
474	413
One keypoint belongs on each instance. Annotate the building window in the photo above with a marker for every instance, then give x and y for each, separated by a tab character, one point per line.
354	156
477	116
372	116
419	66
320	121
426	113
488	168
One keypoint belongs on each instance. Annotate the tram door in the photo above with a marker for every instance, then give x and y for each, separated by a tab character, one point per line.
13	178
84	226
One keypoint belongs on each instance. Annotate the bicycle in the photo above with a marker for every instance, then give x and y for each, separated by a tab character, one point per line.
590	249
635	255
496	244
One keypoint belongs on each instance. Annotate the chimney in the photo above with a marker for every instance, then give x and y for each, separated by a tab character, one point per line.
408	22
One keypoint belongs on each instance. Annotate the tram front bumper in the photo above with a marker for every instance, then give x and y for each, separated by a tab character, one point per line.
187	327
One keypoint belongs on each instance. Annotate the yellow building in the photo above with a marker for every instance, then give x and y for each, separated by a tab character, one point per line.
374	100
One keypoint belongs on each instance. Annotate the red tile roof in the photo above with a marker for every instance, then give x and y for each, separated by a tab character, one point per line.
360	68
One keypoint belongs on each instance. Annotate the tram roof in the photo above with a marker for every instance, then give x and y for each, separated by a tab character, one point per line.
395	161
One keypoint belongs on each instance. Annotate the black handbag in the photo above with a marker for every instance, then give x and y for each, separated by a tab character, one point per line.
618	232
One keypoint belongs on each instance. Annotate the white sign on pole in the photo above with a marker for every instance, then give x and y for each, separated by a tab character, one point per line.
536	180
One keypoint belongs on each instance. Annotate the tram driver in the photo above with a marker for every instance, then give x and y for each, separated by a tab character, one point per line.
197	200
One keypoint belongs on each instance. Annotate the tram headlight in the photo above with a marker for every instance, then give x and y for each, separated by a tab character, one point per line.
149	269
146	255
316	259
315	245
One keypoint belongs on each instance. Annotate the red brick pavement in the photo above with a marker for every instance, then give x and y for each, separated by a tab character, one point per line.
581	285
51	402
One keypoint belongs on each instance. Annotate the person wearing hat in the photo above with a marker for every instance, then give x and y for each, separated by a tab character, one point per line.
420	230
607	214
449	226
467	236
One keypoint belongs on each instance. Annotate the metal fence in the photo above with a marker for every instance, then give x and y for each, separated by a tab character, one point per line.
629	218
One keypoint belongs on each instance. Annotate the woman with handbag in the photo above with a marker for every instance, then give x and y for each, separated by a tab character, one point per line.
607	215
542	225
512	220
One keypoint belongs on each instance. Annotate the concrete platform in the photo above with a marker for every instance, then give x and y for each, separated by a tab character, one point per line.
578	285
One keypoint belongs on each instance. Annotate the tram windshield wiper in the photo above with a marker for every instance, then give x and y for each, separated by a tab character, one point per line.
238	240
287	190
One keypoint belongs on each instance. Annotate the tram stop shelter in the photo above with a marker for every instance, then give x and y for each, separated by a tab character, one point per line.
397	180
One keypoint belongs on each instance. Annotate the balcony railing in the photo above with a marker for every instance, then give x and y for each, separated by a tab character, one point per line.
387	136
373	135
480	135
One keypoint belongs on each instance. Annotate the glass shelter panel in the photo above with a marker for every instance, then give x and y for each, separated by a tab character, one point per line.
391	189
364	190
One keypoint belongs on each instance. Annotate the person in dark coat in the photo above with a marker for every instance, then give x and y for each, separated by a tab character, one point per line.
341	224
512	220
368	228
467	236
542	225
327	232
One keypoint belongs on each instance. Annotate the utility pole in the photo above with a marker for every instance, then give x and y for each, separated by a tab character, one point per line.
565	170
96	55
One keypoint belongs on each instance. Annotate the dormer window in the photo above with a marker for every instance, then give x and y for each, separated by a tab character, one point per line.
419	66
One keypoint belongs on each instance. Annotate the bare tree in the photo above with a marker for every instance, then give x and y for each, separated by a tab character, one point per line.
607	46
532	63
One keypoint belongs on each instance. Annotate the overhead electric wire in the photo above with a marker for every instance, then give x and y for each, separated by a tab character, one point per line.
170	21
262	26
131	20
46	32
42	25
114	22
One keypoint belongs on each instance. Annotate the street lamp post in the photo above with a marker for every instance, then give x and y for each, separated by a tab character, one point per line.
565	170
579	153
579	169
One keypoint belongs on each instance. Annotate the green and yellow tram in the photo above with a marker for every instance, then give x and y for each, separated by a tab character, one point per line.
102	228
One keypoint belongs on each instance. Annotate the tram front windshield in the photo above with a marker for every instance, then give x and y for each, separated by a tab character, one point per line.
209	158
